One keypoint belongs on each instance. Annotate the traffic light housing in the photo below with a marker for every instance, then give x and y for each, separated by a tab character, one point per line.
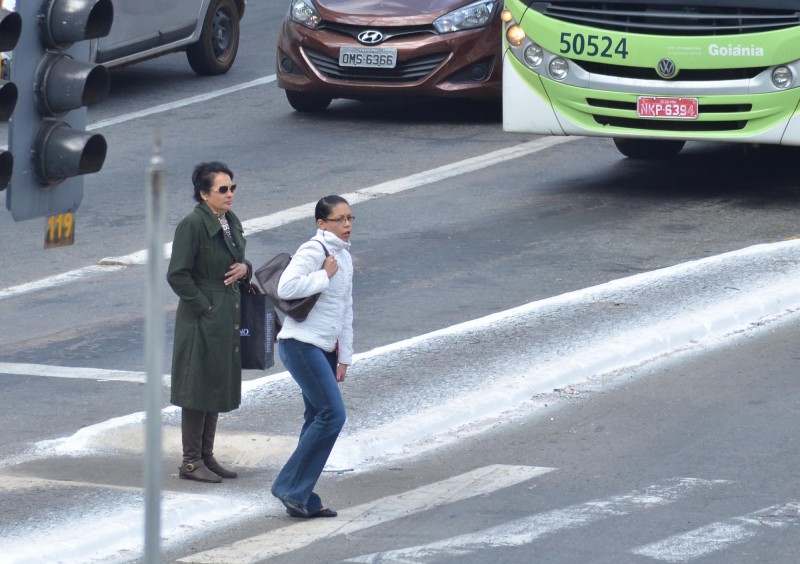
10	29
55	83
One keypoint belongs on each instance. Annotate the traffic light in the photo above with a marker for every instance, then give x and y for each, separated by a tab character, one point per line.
55	82
10	28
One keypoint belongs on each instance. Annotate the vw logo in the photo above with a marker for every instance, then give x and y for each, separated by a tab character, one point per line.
666	68
371	37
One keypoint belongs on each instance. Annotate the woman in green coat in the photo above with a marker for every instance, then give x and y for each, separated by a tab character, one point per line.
207	261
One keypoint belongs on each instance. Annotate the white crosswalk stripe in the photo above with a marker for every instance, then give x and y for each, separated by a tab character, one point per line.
93	538
526	530
109	523
721	535
477	482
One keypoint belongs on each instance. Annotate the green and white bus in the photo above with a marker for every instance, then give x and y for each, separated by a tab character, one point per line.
653	74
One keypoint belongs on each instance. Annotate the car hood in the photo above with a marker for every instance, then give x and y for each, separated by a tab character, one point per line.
388	12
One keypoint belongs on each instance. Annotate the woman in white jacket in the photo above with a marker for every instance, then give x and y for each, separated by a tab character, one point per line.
317	351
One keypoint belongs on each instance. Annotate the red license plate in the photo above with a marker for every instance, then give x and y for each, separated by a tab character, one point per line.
667	108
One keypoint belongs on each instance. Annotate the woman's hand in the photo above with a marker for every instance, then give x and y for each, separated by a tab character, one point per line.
341	372
237	270
330	265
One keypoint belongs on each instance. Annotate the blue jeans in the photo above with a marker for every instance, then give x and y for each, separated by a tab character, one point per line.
314	370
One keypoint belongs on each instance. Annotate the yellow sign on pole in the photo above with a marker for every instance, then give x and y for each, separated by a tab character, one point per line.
60	230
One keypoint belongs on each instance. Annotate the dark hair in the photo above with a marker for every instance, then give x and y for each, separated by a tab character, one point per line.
325	206
203	177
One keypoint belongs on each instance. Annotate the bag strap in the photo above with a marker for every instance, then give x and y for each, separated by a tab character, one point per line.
324	248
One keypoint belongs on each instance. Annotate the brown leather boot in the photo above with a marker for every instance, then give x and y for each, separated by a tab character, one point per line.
209	432
197	471
193	467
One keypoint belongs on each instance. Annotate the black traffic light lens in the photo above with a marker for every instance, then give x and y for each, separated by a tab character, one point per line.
6	168
8	99
64	152
67	84
65	22
10	29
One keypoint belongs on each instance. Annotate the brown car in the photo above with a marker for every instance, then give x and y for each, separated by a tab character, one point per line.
361	49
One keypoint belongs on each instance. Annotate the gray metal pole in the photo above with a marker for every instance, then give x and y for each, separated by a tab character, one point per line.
155	329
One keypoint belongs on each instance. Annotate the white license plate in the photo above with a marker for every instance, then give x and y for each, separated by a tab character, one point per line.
667	108
370	57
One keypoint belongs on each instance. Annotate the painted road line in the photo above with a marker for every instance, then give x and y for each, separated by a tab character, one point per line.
764	276
199	99
721	535
57	280
177	104
475	483
20	483
526	530
77	373
112	530
304	211
110	375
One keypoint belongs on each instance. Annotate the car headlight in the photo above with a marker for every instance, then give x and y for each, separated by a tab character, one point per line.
477	14
304	13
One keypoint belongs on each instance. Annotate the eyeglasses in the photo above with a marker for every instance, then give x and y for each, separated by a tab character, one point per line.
224	189
341	220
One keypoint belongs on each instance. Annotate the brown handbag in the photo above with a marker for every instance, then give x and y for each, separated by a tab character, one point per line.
269	274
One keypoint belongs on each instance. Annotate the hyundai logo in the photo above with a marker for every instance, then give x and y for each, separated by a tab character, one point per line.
371	37
666	68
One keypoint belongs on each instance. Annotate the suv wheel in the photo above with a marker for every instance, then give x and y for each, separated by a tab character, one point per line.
216	50
308	101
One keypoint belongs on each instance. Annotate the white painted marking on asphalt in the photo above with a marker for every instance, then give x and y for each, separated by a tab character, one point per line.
287	539
109	375
180	103
527	529
116	528
306	211
595	350
57	280
721	535
764	279
100	374
176	104
21	483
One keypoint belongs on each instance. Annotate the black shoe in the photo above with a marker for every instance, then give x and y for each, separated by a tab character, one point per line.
324	512
296	509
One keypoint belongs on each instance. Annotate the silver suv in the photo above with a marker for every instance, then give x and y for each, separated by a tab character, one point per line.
207	30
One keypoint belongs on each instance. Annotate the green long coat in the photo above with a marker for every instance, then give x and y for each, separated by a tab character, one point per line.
206	363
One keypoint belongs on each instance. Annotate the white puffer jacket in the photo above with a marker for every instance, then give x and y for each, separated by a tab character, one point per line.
331	320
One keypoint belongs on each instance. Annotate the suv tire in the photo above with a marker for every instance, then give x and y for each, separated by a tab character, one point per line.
216	49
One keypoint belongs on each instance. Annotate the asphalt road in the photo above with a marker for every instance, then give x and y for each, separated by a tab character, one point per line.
702	438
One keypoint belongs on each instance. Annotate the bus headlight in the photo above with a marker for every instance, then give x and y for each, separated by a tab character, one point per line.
533	55
515	35
559	68
782	77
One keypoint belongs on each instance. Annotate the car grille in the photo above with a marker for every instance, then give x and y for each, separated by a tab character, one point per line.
649	73
670	19
413	70
389	32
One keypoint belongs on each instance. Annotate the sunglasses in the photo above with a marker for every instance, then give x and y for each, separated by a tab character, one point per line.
224	189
